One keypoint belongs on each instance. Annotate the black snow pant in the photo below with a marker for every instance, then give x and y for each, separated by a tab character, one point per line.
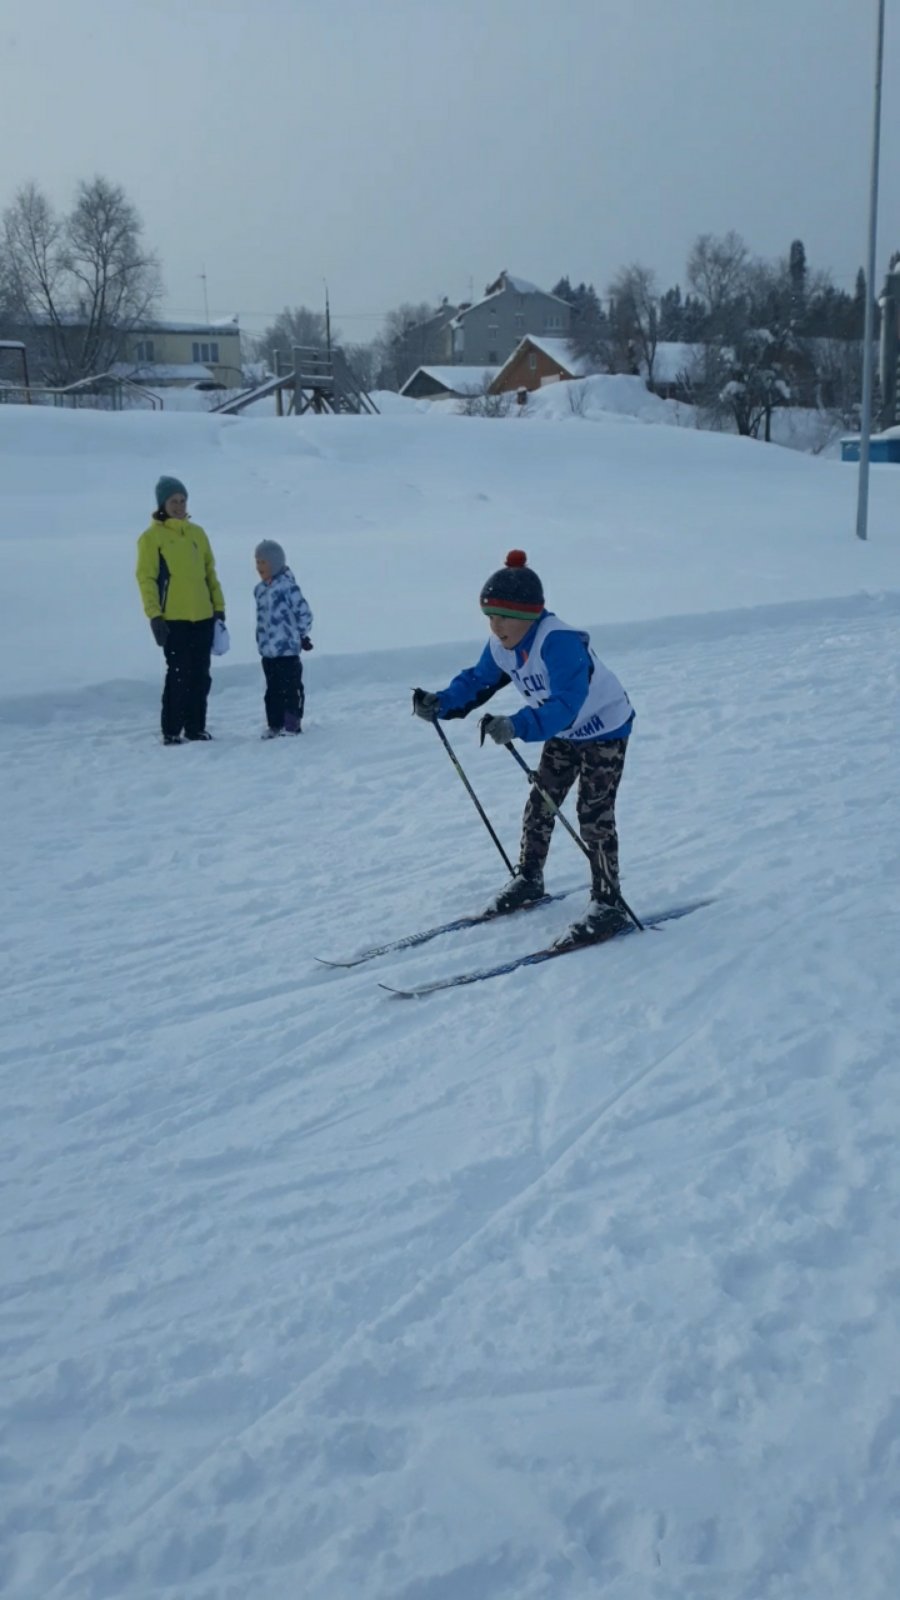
285	698
188	682
598	767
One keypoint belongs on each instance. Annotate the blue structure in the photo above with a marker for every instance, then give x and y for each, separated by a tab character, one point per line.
882	447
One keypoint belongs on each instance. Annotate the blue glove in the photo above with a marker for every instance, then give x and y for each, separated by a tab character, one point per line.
306	642
500	729
160	630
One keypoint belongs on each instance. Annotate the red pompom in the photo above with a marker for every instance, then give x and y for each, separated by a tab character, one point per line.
516	558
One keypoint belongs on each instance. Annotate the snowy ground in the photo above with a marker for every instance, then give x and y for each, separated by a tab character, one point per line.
393	523
580	1283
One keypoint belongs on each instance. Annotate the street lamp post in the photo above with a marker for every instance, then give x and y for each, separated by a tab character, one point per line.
865	431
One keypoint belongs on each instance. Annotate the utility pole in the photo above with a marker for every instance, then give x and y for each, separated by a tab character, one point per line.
327	322
865	431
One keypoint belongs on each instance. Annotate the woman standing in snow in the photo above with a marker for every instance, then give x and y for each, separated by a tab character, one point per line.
183	599
283	621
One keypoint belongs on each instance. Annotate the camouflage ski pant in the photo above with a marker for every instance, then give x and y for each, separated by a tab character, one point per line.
598	766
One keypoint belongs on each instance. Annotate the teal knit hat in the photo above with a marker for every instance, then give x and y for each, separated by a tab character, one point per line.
165	488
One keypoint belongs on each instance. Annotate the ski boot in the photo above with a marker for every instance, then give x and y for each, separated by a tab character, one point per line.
601	921
522	890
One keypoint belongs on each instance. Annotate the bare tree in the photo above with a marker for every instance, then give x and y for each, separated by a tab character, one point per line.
33	247
82	282
363	359
295	325
717	271
634	319
742	384
411	337
838	369
480	401
576	394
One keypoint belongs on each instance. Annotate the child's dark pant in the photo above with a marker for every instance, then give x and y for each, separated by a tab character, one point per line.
598	766
284	691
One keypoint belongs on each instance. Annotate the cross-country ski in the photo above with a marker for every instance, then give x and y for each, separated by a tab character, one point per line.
410	941
535	958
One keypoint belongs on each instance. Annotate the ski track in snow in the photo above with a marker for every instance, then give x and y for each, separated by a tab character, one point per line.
583	1281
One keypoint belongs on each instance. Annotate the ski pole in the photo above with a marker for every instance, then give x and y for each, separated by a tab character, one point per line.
615	894
475	800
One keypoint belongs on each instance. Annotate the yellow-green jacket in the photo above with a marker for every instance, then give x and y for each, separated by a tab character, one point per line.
176	572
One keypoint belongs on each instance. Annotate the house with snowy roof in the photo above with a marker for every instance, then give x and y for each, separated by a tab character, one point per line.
486	333
157	353
446	383
164	353
537	360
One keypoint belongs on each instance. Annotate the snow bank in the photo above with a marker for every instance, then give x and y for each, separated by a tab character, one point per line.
393	522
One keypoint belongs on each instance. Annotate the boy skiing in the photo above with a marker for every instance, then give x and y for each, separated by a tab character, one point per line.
283	621
572	702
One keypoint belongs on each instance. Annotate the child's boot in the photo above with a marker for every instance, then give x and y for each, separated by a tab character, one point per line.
600	921
522	890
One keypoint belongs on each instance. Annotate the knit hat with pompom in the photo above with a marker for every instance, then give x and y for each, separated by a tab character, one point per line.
514	591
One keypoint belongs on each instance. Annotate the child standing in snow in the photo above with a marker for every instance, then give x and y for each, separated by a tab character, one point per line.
283	621
575	704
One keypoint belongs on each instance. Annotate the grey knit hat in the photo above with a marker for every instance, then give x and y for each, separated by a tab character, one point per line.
270	550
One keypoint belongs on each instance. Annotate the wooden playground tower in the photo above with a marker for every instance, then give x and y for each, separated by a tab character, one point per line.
318	381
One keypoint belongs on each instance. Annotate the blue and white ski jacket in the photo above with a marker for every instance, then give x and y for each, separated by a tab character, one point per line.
568	691
283	617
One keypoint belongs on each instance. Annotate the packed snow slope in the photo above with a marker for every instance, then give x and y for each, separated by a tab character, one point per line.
583	1282
393	523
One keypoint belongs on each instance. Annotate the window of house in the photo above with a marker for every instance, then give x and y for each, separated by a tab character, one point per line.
144	350
519	320
214	353
205	352
492	358
532	362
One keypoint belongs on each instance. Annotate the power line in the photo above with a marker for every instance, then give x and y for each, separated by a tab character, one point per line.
190	311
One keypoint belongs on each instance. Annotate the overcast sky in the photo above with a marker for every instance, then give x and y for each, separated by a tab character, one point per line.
405	149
